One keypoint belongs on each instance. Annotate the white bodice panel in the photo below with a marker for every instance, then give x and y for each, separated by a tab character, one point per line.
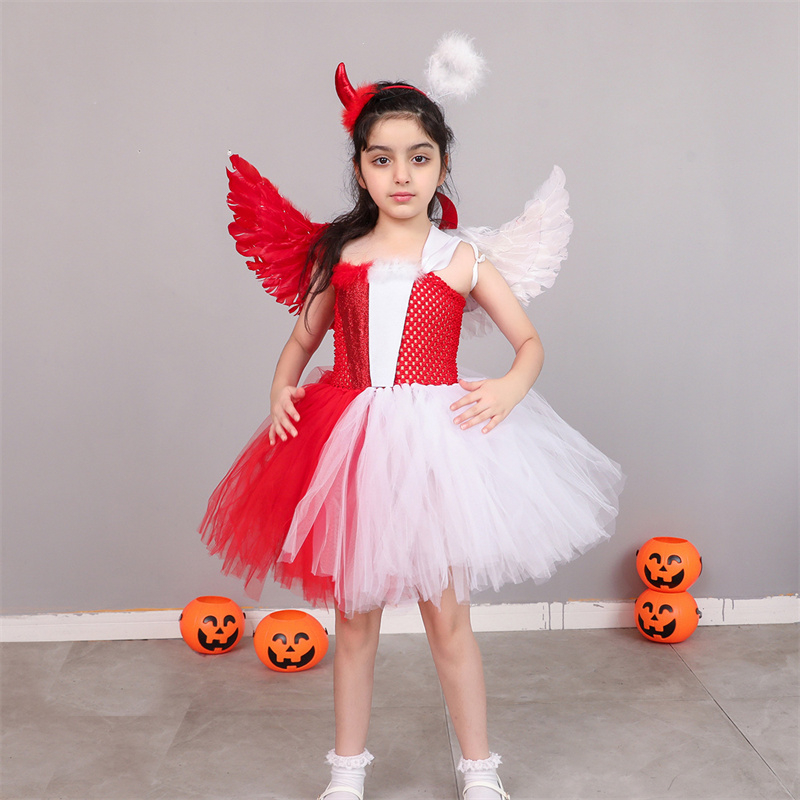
390	284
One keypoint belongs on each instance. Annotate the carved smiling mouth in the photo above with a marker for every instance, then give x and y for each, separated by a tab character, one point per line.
666	631
286	663
215	644
659	582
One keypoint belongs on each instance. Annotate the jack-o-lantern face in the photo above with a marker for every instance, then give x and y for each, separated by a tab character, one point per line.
666	618
285	654
668	564
290	641
212	625
214	635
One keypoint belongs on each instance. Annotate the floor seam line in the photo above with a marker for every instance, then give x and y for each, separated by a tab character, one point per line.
738	729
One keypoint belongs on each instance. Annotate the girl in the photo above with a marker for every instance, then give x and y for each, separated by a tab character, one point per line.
390	479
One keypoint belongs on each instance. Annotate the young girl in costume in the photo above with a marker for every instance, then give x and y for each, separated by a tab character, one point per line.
389	479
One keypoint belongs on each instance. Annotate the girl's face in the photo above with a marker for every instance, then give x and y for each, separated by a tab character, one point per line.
401	168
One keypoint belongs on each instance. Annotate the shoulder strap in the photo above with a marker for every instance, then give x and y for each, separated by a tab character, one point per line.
438	250
479	257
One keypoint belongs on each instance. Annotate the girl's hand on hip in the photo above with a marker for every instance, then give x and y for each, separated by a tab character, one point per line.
283	412
490	399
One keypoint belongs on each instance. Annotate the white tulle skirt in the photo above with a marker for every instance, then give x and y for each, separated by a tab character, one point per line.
403	503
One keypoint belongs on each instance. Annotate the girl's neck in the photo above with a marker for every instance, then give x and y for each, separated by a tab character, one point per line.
402	238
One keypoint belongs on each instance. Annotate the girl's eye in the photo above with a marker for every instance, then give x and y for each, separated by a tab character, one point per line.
420	159
381	161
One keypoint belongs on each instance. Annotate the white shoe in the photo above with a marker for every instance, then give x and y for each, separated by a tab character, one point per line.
497	787
348	789
347	774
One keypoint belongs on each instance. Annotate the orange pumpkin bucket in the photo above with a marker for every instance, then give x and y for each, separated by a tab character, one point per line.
290	641
666	618
667	564
212	625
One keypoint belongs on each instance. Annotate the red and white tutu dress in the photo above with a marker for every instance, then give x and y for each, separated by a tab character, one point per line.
381	499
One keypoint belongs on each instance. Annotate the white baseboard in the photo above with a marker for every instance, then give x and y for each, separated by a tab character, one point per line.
572	615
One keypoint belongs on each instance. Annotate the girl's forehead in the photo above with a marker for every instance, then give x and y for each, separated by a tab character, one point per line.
398	130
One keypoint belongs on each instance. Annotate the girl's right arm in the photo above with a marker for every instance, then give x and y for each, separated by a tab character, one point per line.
308	333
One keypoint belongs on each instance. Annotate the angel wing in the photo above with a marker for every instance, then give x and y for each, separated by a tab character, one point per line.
271	232
527	251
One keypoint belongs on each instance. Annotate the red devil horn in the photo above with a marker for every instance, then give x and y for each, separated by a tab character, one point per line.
343	86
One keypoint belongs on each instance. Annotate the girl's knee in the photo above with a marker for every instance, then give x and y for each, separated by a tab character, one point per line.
360	632
450	622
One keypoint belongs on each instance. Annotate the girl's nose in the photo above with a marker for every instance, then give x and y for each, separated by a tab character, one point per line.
401	174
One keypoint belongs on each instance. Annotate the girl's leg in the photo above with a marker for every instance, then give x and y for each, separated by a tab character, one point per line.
353	677
458	664
460	668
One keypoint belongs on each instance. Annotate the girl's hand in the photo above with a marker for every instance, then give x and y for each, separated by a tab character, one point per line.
489	399
312	324
283	412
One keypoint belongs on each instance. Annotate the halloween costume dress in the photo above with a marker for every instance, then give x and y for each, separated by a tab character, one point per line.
381	498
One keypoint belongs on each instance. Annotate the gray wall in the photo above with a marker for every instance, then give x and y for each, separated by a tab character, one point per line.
138	350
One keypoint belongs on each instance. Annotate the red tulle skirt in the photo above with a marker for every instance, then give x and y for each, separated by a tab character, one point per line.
251	510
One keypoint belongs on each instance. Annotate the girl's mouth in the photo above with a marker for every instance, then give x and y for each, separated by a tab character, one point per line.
402	197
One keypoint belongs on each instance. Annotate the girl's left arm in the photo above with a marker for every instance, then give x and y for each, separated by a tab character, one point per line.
491	400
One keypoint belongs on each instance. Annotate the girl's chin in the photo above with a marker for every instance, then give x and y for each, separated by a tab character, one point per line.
402	212
405	209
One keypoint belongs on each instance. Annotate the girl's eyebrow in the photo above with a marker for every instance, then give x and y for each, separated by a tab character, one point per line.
383	148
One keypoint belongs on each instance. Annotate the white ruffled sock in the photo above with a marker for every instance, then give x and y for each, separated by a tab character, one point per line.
349	771
485	771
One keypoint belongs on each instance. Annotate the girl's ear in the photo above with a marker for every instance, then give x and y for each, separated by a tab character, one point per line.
443	174
357	169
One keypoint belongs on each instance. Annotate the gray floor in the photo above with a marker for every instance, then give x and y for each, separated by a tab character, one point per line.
576	714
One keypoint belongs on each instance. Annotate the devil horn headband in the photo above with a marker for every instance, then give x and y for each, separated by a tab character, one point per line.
352	99
454	69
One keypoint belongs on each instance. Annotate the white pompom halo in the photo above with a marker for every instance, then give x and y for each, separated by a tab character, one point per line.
455	68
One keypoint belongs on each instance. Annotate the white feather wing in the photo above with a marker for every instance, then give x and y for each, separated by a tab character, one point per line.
527	251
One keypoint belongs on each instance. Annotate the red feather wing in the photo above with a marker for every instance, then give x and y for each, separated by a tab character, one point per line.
270	232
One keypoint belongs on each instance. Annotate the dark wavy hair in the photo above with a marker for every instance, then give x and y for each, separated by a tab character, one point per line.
390	100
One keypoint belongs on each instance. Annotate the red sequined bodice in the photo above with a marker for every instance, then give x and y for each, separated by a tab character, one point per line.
431	331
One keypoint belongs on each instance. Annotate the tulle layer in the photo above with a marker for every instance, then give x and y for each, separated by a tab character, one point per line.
382	499
404	503
251	510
